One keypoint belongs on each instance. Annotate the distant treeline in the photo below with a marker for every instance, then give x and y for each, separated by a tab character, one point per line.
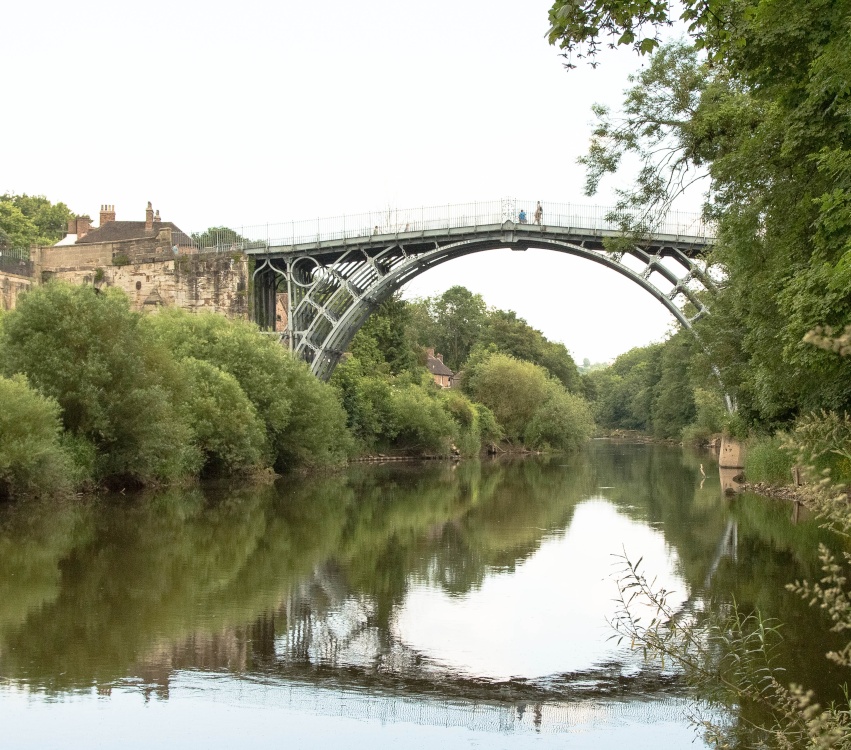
667	390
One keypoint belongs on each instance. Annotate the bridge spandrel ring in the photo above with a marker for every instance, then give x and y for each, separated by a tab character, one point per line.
305	272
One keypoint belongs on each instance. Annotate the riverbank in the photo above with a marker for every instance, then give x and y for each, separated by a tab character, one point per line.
779	492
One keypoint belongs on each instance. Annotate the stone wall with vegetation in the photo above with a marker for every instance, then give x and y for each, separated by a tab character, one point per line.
153	277
11	285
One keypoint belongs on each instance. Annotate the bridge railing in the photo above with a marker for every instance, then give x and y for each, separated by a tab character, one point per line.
393	221
16	260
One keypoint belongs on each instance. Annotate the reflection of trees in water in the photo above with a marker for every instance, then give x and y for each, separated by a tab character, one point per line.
303	579
772	552
35	536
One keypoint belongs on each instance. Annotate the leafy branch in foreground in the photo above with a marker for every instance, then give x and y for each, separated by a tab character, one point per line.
657	126
728	659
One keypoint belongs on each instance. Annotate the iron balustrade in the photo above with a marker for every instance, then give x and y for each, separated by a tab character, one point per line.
16	260
396	221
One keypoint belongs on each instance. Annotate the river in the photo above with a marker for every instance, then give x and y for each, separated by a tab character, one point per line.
452	605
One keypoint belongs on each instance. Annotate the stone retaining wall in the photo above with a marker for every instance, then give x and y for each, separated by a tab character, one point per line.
149	272
11	285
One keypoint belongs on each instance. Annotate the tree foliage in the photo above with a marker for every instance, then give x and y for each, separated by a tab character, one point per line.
32	459
219	238
31	220
456	319
393	404
531	407
304	422
227	430
765	110
457	322
116	387
761	106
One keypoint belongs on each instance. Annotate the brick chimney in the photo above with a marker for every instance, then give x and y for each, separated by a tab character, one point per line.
157	217
439	356
107	214
72	226
149	217
84	224
430	352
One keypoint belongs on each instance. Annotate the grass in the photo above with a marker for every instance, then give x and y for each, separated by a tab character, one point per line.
767	461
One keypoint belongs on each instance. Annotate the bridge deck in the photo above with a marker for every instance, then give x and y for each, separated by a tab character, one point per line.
418	227
509	233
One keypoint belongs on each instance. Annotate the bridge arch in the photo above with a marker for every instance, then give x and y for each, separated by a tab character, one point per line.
331	287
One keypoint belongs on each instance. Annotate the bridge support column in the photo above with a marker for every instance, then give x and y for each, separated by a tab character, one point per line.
265	286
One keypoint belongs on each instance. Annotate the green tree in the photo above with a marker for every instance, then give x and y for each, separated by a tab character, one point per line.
562	422
365	396
765	114
116	387
305	424
16	230
510	334
32	460
218	237
385	339
418	421
458	316
225	424
673	407
512	389
32	220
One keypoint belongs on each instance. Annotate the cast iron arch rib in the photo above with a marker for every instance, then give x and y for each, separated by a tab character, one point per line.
332	288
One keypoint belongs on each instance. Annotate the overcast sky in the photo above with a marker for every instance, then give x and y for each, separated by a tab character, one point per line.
250	112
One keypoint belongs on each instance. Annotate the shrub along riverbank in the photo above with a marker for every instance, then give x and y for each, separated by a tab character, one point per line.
97	395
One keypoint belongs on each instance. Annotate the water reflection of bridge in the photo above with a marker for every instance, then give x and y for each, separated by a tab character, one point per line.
552	716
322	650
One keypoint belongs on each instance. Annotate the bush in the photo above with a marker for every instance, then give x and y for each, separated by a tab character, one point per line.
366	402
512	389
418	422
562	422
228	433
489	430
823	442
766	460
710	417
463	412
32	460
116	387
304	421
316	434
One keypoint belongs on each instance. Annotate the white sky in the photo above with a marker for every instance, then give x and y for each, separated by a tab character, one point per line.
258	111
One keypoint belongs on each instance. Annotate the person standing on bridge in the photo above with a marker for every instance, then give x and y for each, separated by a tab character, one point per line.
539	214
522	216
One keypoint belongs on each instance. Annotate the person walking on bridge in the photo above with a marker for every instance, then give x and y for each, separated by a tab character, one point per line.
539	214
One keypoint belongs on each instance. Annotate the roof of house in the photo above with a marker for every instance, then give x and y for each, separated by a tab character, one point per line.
436	367
117	231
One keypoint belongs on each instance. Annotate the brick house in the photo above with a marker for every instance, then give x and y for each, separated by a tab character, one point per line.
81	232
440	372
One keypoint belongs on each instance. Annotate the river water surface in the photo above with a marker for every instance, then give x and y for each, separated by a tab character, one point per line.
405	605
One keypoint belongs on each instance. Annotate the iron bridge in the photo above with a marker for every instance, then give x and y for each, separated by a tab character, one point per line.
317	282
